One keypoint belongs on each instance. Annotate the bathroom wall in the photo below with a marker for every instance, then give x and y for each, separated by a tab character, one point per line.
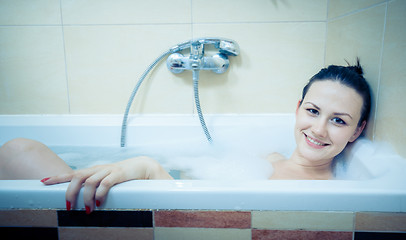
374	30
84	57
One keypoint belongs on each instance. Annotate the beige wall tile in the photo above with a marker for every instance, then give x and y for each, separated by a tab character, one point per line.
276	61
21	12
393	222
105	63
126	11
28	218
338	8
97	233
201	234
341	221
32	71
391	107
260	234
209	11
359	35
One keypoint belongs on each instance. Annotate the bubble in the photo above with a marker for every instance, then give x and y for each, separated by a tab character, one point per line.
237	154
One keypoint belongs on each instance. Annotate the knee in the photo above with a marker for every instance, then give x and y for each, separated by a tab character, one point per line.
19	145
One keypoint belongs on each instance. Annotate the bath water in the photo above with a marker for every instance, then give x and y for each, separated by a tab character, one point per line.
234	155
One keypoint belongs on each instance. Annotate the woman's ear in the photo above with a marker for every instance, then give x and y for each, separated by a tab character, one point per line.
298	105
358	131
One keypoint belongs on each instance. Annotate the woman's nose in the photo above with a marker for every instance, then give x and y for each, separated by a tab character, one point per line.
319	128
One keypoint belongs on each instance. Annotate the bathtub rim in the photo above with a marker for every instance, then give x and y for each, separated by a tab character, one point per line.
276	195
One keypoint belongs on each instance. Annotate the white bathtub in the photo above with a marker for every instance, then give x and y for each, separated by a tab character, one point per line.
379	187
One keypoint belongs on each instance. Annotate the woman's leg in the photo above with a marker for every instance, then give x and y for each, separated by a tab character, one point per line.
23	158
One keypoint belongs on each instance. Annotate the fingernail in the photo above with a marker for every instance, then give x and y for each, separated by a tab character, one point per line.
97	203
45	179
68	206
87	209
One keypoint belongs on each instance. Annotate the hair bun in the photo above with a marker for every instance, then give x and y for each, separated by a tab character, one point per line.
356	68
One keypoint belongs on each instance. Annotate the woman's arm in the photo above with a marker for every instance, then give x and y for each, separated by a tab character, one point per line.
97	181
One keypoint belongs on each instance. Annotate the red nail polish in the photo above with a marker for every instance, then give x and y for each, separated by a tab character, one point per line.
97	203
87	209
45	179
68	206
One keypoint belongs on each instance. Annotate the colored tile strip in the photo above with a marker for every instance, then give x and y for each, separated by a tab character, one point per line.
105	219
203	219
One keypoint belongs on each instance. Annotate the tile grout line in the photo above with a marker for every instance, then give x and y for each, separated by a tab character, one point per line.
356	11
326	34
354	218
65	60
378	88
153	223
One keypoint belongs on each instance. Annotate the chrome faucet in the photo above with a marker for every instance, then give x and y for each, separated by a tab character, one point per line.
177	63
217	63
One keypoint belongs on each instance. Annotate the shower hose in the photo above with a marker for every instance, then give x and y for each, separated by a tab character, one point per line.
137	86
197	103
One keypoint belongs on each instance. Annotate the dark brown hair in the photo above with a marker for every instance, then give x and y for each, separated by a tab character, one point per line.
350	76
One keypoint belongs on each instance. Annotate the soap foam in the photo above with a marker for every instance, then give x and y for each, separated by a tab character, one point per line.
238	155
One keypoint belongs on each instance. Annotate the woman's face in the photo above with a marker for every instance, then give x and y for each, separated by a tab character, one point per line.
326	120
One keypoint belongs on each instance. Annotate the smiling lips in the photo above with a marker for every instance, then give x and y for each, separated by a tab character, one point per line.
314	143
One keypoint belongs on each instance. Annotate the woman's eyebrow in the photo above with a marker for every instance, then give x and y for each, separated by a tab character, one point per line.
343	114
314	105
336	114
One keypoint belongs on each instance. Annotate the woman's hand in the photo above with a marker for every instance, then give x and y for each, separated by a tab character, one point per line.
97	181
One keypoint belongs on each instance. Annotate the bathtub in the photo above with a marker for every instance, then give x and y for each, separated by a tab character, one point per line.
380	188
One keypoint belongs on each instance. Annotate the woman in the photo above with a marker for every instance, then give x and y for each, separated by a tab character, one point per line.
333	111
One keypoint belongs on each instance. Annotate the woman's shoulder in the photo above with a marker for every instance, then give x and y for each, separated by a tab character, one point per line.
278	162
275	157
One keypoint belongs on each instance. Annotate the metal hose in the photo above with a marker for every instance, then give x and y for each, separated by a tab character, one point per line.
137	86
197	101
174	49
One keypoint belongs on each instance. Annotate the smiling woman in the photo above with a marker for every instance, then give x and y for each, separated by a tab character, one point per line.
333	112
325	122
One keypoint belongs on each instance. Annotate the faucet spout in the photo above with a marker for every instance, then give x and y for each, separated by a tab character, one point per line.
196	55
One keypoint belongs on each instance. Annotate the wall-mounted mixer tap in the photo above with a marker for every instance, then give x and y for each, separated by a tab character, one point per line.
177	63
217	63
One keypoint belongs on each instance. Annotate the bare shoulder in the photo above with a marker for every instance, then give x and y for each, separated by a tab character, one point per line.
275	157
278	162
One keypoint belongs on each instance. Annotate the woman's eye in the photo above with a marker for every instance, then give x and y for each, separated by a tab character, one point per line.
339	121
313	111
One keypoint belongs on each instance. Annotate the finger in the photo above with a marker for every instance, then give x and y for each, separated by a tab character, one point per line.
90	186
105	185
57	179
79	177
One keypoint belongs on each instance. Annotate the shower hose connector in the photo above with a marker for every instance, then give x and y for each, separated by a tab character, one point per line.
177	63
217	63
